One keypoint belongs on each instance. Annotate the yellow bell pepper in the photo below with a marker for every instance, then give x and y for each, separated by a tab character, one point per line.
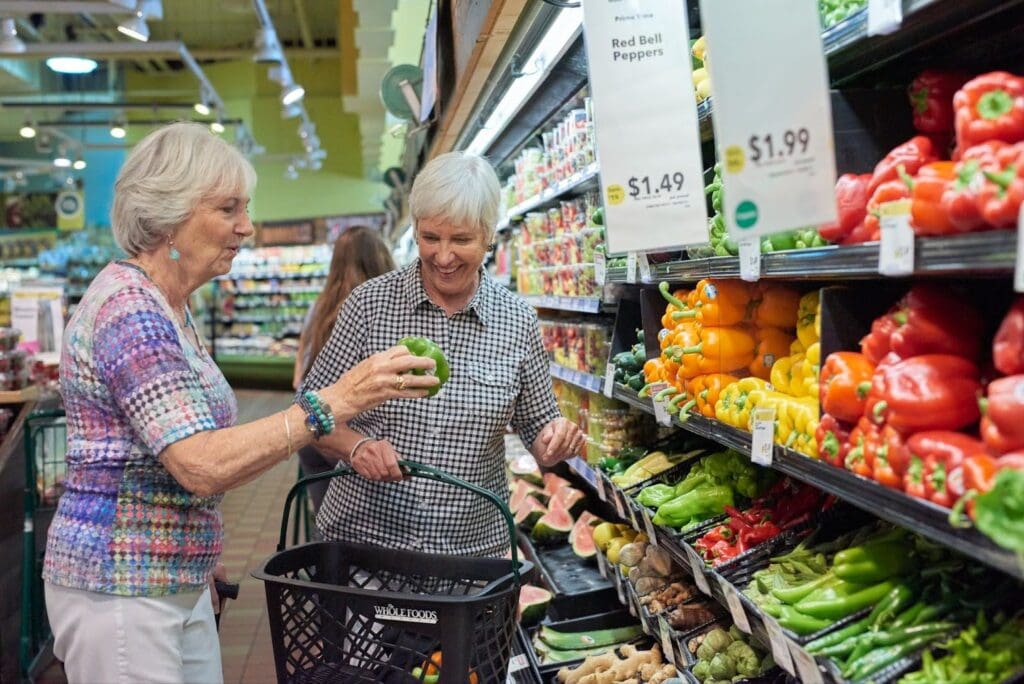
808	327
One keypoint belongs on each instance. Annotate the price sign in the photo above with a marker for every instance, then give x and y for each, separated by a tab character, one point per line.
600	268
667	649
599	483
732	598
772	114
517	663
806	668
750	259
644	266
609	379
780	645
602	565
614	570
649	530
645	123
1018	271
697	568
884	16
620	508
631	262
896	251
661	414
762	442
632	519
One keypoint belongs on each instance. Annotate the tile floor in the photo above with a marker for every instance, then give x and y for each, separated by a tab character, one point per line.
252	521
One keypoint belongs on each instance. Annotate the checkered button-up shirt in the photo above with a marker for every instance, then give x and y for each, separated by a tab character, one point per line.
499	376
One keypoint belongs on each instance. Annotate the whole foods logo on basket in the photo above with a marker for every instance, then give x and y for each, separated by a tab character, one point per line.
389	612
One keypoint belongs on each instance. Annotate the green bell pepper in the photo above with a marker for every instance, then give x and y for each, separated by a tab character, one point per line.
839	607
655	495
421	346
695	506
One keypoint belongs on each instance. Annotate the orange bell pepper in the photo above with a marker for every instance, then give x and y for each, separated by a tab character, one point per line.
926	211
845	383
675	303
772	344
777	307
716	350
719	303
706	389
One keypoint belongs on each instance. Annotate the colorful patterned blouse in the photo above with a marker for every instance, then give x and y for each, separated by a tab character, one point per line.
132	385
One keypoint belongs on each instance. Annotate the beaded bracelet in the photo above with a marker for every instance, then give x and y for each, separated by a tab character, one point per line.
323	411
312	420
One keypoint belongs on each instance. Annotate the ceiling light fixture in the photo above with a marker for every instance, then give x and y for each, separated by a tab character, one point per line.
217	127
136	26
62	161
201	108
27	130
79	164
268	46
291	111
292	93
10	43
117	130
72	65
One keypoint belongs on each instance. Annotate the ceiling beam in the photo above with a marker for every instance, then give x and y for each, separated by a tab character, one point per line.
247	53
494	34
25	7
300	15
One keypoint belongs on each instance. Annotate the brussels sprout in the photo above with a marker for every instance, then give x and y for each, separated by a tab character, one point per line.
722	667
700	670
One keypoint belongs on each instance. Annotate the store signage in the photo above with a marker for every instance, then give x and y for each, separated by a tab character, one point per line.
291	233
70	208
38	312
896	251
390	612
884	16
772	114
645	122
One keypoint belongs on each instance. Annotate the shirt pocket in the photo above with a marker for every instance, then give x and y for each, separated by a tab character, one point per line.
490	394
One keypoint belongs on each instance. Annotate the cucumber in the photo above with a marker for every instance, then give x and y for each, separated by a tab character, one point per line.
574	641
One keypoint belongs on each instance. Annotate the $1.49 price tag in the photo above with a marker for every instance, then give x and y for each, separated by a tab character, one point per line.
896	251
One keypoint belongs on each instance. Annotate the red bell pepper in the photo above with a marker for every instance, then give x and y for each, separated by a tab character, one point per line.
989	107
913	479
903	160
878	343
929	392
933	320
960	200
1008	346
863	442
844	384
852	205
1001	194
1002	427
889	191
931	96
928	217
942	452
888	461
833	438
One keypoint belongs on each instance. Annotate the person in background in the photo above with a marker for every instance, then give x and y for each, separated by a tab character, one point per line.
359	254
152	440
499	377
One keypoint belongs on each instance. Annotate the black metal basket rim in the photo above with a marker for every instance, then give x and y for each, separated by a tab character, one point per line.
486	593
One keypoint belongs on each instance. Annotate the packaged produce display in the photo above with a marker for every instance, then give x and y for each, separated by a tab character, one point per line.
556	249
578	345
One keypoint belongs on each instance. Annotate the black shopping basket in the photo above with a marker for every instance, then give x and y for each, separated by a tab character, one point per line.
348	612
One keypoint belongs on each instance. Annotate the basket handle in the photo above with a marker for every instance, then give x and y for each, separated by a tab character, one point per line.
416	470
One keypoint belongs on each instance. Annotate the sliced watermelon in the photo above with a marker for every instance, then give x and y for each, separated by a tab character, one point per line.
520	491
554	526
529	512
582	539
533	604
573	499
586	519
552	483
525	468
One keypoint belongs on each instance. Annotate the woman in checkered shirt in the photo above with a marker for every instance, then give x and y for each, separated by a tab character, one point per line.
499	378
152	440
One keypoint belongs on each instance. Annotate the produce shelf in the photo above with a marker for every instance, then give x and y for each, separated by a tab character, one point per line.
923	517
976	254
578	304
575	184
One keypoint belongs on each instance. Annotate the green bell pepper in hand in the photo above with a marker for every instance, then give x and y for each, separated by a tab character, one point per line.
422	346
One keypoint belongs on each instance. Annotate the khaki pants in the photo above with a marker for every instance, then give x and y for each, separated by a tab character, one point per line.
108	639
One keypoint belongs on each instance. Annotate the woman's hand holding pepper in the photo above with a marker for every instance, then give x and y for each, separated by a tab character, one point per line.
381	377
557	441
377	460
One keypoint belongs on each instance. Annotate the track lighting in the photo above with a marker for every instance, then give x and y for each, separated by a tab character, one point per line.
118	130
136	26
268	46
61	161
79	164
292	93
217	127
10	43
27	130
72	65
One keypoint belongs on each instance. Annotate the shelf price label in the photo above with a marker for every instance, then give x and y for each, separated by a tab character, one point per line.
667	649
884	16
762	440
609	380
645	124
750	259
631	261
772	114
780	645
600	268
896	250
806	668
697	567
661	414
1018	271
732	599
649	529
621	509
644	267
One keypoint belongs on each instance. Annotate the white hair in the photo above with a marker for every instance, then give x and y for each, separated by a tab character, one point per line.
167	174
459	188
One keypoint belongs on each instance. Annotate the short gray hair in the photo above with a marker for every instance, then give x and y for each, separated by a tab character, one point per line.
167	174
460	188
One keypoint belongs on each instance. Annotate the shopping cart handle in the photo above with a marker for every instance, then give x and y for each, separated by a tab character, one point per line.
226	590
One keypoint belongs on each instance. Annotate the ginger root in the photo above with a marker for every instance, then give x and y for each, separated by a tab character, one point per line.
587	668
665	673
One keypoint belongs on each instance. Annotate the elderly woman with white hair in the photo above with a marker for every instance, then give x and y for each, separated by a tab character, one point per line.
499	377
152	440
